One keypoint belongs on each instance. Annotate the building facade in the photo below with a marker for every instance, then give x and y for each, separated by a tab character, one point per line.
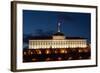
58	40
67	43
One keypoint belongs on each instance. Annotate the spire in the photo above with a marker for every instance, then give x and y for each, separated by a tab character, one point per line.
59	26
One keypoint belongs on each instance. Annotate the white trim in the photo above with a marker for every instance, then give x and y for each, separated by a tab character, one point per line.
21	65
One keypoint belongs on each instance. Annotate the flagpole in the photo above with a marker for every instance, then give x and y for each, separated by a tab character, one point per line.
59	26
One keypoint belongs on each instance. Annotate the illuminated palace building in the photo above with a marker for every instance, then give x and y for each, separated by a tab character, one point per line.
56	47
58	40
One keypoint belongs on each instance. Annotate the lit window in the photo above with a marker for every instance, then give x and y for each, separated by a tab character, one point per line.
47	51
62	51
38	51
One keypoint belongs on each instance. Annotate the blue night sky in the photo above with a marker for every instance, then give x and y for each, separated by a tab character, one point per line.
40	23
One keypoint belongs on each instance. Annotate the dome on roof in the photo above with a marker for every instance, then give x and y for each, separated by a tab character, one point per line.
58	34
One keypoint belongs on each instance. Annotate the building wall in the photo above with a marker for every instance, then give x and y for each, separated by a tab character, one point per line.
37	44
58	37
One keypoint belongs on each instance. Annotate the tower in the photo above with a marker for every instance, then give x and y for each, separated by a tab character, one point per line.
58	35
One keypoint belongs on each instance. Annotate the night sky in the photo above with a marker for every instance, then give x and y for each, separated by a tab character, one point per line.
44	23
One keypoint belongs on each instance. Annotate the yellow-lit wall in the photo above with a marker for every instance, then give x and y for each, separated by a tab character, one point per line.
58	37
36	44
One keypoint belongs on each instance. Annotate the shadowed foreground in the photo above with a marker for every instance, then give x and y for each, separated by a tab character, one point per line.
58	54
